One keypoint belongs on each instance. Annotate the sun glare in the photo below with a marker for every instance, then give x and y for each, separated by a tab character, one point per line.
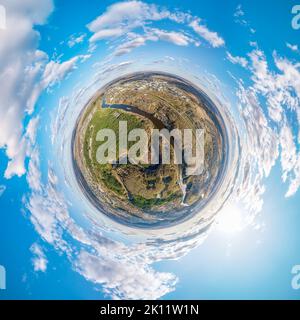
230	220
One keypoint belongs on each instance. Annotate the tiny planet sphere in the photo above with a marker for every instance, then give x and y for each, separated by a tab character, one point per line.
146	193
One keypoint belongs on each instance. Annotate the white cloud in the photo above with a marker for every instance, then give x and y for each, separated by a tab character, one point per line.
269	136
128	46
265	84
75	40
56	71
34	175
290	160
259	152
106	34
239	11
116	67
27	74
126	17
39	260
262	140
31	129
152	34
293	47
19	72
289	79
237	60
37	11
125	280
129	14
16	165
281	90
48	213
211	37
239	17
84	57
177	38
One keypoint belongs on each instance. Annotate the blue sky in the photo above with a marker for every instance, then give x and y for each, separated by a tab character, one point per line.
54	55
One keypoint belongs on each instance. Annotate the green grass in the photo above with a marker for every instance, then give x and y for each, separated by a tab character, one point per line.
106	119
110	181
144	203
